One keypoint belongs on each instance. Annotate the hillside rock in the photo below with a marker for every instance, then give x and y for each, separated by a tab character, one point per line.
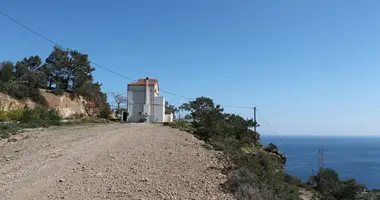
67	105
8	103
280	156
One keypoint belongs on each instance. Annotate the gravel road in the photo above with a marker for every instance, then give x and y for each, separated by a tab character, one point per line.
113	161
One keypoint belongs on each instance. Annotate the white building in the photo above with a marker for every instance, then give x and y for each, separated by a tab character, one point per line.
144	102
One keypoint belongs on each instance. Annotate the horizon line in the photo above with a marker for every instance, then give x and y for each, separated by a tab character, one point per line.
323	134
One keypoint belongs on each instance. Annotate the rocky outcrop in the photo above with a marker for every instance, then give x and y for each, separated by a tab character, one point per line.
276	155
8	103
280	156
67	105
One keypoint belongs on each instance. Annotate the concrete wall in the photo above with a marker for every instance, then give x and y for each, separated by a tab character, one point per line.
137	107
136	101
158	109
168	117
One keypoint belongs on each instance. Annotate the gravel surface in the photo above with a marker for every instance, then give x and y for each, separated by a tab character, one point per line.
115	161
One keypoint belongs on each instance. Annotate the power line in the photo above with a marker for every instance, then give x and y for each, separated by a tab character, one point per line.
98	65
54	43
177	95
232	106
131	79
29	29
274	132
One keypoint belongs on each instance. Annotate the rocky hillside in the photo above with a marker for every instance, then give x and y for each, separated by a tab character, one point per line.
66	104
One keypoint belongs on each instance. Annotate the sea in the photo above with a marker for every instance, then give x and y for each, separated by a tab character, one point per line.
352	157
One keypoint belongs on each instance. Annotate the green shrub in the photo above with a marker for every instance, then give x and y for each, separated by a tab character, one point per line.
4	133
6	71
40	116
244	185
6	130
15	115
180	124
28	115
166	123
261	163
23	91
327	181
39	113
104	112
92	120
42	112
86	120
76	116
257	172
226	144
271	147
58	92
331	187
292	180
3	116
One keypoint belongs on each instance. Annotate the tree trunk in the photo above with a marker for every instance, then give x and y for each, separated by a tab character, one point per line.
117	108
50	81
66	84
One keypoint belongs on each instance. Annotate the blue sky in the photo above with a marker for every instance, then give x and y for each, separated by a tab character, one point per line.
311	67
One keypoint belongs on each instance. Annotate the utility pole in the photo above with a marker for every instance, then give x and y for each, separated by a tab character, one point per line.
254	119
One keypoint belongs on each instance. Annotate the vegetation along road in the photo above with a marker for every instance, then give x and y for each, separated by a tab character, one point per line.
115	161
